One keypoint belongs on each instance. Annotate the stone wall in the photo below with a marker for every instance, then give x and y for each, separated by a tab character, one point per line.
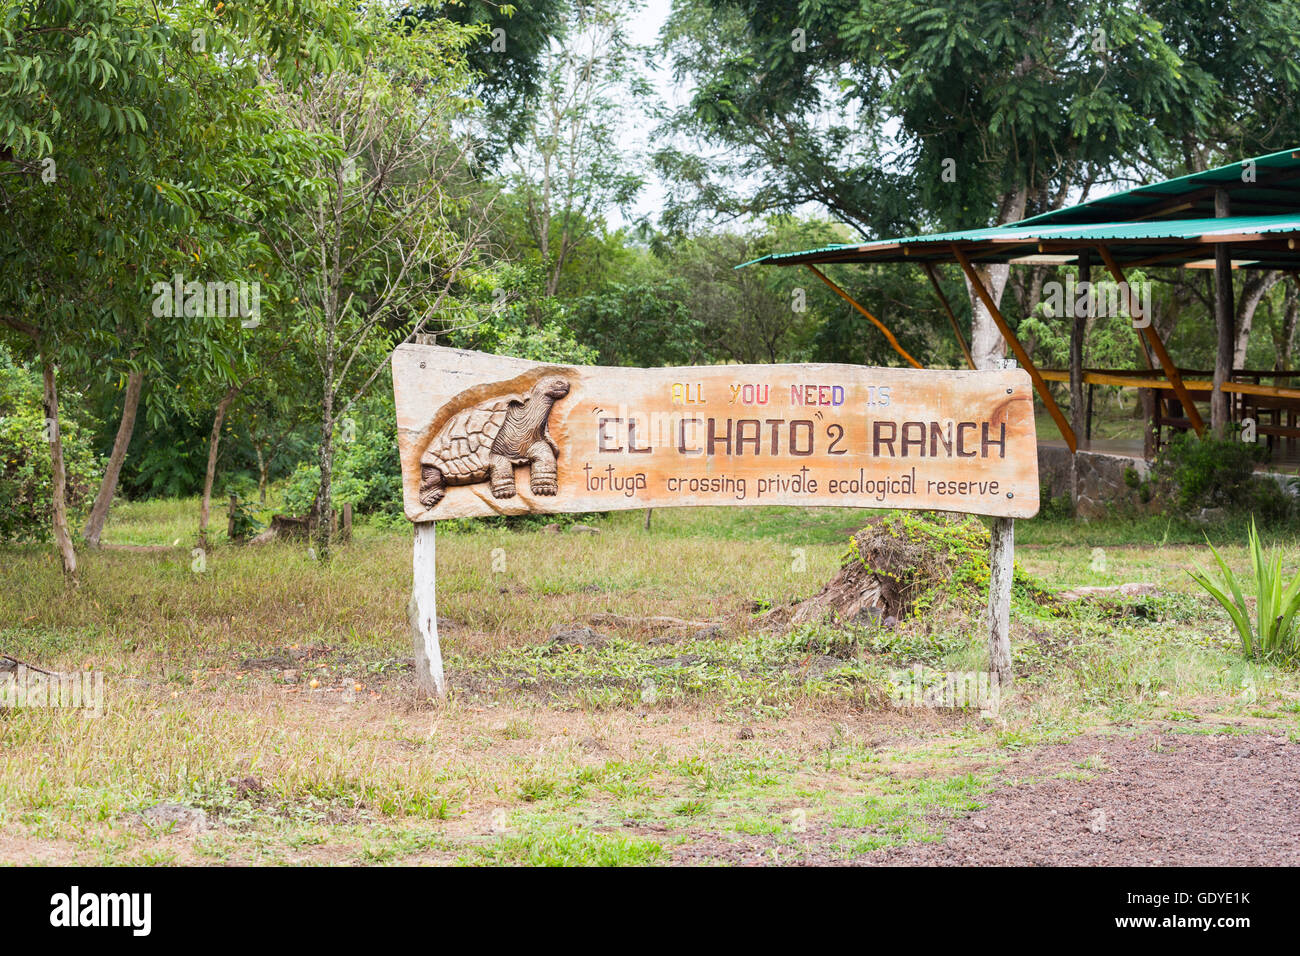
1104	481
1106	486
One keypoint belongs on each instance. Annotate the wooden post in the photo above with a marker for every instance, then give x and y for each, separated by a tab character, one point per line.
1002	557
648	513
1077	419
1152	338
1079	325
423	611
1002	560
875	321
1220	411
347	521
1152	411
230	522
952	316
1087	432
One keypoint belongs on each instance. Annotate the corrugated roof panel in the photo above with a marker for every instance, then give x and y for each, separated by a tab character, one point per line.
1262	184
1264	195
1180	232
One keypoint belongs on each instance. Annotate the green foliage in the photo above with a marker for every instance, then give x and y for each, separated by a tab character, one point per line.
566	847
1208	472
1053	507
367	471
299	492
164	143
899	116
26	478
514	317
508	79
1012	96
948	567
1274	632
761	315
574	164
166	459
1108	341
952	569
643	325
243	522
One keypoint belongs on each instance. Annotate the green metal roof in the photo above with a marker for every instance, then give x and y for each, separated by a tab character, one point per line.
1273	188
1263	240
1172	222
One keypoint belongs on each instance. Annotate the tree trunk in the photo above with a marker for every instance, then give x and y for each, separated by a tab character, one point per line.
262	469
1220	403
423	612
1147	405
214	444
987	347
62	537
1283	362
1078	327
108	487
1253	291
323	494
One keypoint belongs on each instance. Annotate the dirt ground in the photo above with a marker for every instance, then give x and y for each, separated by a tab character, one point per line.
1166	800
1156	799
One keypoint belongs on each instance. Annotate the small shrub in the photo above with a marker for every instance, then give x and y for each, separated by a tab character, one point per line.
1198	473
367	473
1053	507
915	565
243	522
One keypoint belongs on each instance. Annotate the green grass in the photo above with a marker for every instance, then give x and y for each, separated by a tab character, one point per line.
565	848
269	666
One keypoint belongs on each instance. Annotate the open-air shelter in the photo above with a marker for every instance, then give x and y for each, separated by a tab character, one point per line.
1242	216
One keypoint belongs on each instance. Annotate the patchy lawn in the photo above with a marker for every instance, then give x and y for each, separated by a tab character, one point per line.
266	703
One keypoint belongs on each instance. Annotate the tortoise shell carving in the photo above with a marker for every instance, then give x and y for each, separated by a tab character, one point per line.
486	441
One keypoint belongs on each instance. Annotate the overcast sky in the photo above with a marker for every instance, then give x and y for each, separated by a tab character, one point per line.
644	26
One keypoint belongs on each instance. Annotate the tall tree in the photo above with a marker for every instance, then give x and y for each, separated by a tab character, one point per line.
376	242
1244	57
569	166
898	115
505	60
122	127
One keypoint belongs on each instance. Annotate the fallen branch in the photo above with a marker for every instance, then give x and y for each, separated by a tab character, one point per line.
8	663
1139	589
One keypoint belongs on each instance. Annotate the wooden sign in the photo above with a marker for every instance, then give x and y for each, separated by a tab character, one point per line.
485	434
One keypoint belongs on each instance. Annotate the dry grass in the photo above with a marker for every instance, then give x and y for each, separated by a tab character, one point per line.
549	754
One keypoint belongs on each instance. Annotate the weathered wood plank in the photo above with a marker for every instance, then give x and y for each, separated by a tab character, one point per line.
482	434
1002	556
424	612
